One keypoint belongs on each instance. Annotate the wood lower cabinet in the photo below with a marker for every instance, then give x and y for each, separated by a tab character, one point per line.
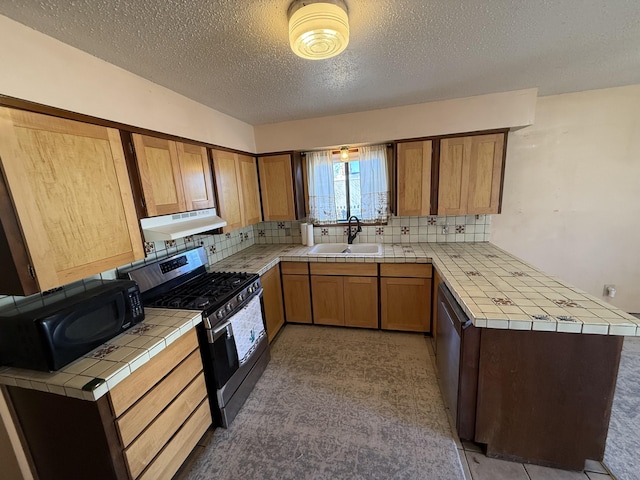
272	296
144	428
175	177
414	178
63	185
297	292
345	294
405	297
361	302
470	174
236	181
328	300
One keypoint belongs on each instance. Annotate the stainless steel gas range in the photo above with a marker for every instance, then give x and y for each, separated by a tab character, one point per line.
232	336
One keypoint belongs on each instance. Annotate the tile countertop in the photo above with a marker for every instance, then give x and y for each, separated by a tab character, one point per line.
113	361
494	288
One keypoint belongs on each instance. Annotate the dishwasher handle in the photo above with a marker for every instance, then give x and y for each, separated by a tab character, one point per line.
456	314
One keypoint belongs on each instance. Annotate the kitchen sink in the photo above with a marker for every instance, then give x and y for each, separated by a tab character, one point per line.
357	249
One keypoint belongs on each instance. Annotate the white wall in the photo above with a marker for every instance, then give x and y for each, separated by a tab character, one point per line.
571	203
482	112
40	69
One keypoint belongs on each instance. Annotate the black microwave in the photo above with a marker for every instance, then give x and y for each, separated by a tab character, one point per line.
47	332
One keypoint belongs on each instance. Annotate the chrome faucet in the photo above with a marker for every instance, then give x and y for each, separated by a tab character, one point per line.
351	234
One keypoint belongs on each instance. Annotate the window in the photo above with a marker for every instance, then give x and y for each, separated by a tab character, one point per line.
346	185
339	189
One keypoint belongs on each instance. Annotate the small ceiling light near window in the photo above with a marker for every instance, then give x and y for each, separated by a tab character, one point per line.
318	29
344	153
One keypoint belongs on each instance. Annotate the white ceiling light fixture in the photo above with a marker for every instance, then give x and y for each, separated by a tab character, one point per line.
318	29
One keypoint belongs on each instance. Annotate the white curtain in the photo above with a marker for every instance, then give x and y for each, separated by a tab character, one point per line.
322	205
374	183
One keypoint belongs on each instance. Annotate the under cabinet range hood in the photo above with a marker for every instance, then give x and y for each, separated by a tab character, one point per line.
178	225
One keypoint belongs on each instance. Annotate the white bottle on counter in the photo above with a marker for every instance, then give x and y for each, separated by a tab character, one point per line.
310	235
303	232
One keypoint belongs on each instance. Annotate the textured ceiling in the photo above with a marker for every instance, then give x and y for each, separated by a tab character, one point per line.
234	56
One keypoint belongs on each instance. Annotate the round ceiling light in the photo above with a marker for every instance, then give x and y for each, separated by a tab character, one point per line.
318	29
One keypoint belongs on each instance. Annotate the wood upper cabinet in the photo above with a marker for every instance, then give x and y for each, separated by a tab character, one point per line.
470	174
197	180
273	307
414	178
175	177
237	184
405	297
64	184
276	183
297	292
250	192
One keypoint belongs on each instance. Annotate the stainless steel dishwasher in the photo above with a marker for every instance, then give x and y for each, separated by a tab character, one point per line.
457	358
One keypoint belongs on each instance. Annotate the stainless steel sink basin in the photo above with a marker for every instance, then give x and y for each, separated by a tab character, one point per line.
357	249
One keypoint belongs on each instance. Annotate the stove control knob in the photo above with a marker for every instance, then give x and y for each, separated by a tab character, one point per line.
220	314
228	307
240	297
256	286
250	289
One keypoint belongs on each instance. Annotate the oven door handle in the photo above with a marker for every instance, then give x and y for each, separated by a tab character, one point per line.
223	329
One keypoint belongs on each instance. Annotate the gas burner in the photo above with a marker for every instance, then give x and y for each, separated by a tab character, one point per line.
201	302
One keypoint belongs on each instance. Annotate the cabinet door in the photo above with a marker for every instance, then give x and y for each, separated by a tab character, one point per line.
249	189
160	176
297	298
197	180
455	154
470	175
70	189
414	178
485	174
361	302
328	299
276	183
227	184
273	308
405	304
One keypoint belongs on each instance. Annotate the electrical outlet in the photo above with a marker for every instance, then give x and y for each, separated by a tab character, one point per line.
609	290
445	229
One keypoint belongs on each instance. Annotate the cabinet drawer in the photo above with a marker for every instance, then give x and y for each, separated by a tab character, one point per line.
406	270
356	269
167	463
136	419
127	392
294	268
141	452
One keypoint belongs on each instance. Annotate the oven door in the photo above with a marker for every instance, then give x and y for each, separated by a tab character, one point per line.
222	349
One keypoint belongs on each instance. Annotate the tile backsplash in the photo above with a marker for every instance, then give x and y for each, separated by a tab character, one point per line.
469	228
465	228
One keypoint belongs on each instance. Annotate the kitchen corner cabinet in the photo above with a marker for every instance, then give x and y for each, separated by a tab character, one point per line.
64	184
405	297
279	197
272	296
414	178
175	176
345	294
143	428
236	181
470	174
296	292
